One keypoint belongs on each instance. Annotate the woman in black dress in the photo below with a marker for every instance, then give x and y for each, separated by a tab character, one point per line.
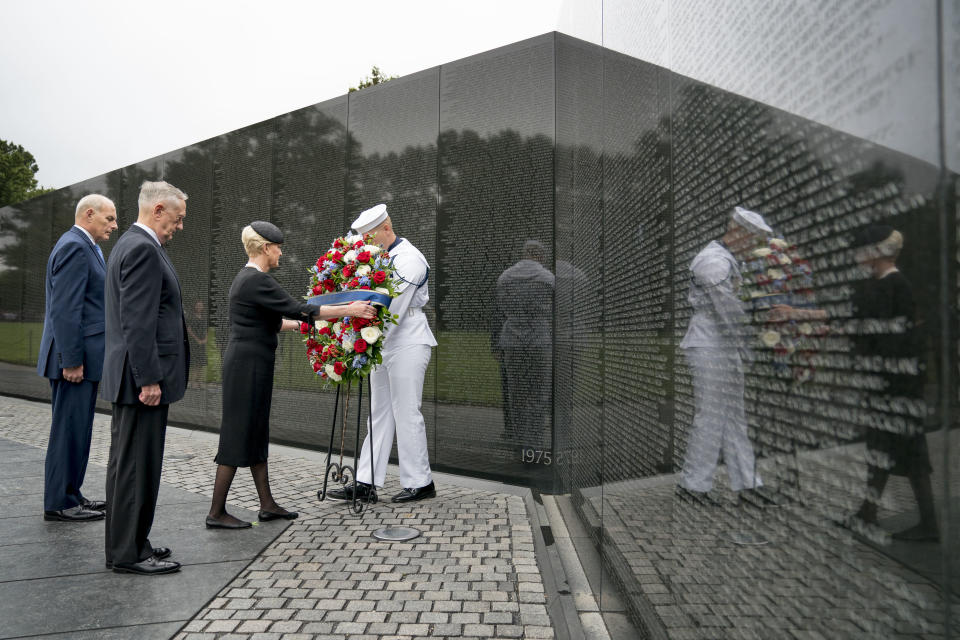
259	308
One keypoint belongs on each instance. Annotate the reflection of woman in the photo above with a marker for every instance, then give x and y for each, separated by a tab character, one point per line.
257	308
886	302
888	334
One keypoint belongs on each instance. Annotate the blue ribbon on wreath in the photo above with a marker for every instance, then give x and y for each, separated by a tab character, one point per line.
346	297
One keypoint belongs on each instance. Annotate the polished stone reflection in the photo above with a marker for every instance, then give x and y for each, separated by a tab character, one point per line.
521	339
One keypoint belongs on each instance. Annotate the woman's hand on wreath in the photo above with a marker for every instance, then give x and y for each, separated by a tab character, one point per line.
361	309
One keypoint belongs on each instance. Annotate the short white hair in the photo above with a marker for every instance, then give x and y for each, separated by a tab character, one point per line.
154	192
93	201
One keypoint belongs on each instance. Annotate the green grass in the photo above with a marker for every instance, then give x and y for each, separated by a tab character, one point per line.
464	367
20	342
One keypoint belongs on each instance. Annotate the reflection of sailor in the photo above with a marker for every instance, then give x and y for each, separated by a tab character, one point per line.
521	340
397	384
715	347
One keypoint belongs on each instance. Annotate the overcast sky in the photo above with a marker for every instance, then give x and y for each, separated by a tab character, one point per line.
91	85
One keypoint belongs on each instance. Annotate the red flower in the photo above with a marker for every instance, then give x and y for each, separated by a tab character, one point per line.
336	256
367	287
360	345
385	255
339	368
363	256
347	271
338	243
329	284
304	328
312	344
358	244
379	276
320	262
317	289
316	366
358	323
354	283
324	331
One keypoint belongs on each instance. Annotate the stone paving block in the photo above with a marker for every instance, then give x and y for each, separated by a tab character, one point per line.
350	628
253	626
222	626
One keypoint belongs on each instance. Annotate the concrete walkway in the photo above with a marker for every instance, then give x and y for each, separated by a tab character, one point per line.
473	573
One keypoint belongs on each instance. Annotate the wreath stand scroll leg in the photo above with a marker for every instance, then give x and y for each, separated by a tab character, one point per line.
322	494
357	505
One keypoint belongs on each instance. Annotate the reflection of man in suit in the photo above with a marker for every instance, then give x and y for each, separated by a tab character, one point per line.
71	356
522	340
145	369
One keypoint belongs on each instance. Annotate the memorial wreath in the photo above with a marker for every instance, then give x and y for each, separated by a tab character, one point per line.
347	349
773	274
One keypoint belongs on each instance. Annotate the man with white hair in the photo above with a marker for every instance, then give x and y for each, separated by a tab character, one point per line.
145	369
397	384
715	347
71	356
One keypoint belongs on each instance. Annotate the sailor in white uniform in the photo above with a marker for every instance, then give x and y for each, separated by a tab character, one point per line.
397	384
715	347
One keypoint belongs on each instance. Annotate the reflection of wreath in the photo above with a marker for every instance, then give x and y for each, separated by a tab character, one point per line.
348	348
775	274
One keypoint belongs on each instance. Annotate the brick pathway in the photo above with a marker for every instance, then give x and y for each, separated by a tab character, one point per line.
472	573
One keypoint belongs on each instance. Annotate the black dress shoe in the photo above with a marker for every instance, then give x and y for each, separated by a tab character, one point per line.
421	493
158	552
346	493
213	523
78	513
270	515
150	567
94	505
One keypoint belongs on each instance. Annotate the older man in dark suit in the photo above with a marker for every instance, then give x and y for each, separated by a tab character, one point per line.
145	369
71	356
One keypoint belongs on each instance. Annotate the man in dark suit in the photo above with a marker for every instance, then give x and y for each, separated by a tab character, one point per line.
71	356
144	370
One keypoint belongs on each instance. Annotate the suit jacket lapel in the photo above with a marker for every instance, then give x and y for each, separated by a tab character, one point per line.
163	252
90	244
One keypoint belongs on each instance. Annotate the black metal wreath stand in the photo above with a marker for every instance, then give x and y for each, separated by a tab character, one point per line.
338	472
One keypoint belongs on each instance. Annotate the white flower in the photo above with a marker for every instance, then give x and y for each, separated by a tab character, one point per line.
320	324
370	334
347	345
805	328
784	259
337	328
775	274
382	290
770	338
779	243
374	249
328	368
363	270
762	252
351	256
354	239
